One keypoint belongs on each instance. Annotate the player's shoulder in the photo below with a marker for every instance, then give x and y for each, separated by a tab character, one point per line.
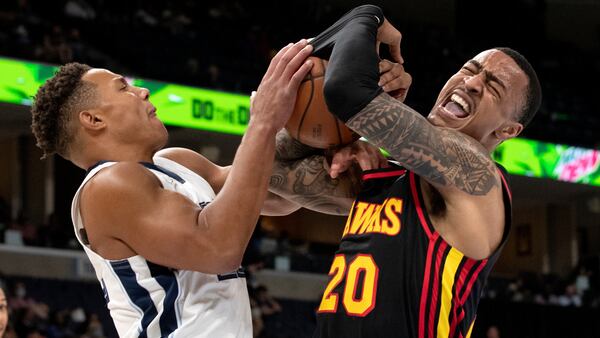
190	159
120	178
177	154
214	174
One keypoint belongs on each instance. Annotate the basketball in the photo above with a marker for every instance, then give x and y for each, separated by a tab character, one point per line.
311	122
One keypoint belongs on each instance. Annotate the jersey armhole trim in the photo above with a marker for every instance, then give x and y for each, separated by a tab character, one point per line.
419	203
383	174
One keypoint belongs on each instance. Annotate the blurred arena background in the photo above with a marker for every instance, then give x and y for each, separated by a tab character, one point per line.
546	283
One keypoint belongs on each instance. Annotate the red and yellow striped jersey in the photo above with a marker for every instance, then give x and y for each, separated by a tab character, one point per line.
394	275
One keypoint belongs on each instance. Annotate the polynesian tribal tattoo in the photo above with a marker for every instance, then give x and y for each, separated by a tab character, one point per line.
441	156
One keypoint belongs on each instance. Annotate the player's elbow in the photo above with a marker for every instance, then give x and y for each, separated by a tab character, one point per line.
212	254
228	256
219	260
231	260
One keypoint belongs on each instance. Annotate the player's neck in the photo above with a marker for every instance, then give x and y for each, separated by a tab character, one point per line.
93	155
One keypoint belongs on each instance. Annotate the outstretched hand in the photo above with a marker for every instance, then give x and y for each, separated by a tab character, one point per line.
366	155
274	99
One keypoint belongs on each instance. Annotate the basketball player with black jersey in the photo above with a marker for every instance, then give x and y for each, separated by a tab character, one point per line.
421	236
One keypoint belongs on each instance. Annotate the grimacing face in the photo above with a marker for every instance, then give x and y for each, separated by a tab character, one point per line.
126	109
483	99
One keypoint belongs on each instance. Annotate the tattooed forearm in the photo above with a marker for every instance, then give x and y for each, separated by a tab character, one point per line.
300	175
287	148
309	178
442	156
307	183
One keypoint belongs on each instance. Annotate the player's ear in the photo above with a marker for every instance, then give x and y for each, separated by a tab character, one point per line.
508	130
91	119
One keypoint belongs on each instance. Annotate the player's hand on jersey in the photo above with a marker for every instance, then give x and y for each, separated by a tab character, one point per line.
274	100
366	155
394	79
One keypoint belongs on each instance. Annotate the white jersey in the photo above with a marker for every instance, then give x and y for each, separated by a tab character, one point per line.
149	300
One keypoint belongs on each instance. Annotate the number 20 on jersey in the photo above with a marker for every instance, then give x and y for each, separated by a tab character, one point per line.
356	302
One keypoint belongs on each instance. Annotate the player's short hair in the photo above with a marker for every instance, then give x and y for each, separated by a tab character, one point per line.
533	98
55	105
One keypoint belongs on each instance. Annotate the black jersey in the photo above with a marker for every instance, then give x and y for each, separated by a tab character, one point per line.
393	275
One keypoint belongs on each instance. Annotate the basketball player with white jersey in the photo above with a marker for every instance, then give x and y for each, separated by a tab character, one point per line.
165	230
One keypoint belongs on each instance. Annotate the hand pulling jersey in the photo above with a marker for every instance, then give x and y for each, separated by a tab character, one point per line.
149	300
393	275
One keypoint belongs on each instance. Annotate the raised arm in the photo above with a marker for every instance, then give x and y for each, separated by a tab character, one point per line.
125	207
446	158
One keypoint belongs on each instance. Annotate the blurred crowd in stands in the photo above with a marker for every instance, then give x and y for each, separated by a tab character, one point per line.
50	313
580	289
227	45
20	230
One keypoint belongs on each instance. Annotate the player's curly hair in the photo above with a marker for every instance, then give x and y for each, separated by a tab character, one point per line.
54	106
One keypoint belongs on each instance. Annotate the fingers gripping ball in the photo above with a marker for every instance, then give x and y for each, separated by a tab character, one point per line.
311	122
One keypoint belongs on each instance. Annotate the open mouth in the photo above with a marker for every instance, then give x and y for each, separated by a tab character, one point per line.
458	106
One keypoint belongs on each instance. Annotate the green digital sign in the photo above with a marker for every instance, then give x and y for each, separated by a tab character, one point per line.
20	80
198	108
556	161
223	112
177	105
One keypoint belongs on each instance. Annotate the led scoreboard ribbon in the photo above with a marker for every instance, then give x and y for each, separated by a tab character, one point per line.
198	108
229	113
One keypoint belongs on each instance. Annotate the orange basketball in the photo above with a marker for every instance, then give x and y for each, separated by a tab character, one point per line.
311	122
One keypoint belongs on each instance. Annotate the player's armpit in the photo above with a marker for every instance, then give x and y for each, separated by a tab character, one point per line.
444	157
126	203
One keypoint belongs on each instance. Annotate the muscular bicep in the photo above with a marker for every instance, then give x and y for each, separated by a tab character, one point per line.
307	183
126	203
446	158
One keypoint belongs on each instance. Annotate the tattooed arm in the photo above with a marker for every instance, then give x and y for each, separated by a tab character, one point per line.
301	177
456	165
307	183
444	157
287	148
